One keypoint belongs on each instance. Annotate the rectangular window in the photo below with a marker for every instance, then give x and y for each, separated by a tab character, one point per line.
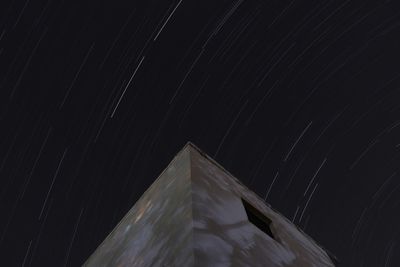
261	221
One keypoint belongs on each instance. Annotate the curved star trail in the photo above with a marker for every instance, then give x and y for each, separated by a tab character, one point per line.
298	99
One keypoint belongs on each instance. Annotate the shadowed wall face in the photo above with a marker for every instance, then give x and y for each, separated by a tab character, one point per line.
194	215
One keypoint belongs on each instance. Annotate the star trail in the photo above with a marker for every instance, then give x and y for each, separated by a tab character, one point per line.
300	100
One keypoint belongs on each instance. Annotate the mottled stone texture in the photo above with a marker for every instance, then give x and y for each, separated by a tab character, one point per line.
193	215
157	231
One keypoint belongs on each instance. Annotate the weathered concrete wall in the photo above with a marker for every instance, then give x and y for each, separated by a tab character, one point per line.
157	231
223	236
193	215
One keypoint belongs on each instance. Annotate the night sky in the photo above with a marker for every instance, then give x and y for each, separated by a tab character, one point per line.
300	100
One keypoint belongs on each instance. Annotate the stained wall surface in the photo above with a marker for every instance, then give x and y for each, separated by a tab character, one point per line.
193	215
157	231
223	235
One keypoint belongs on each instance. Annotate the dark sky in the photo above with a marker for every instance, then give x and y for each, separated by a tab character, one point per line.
298	99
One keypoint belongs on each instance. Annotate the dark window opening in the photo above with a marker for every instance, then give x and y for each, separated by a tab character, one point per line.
258	219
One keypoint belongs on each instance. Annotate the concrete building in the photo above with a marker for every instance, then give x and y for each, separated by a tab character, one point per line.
197	214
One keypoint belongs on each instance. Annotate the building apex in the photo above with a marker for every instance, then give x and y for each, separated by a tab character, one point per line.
198	214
